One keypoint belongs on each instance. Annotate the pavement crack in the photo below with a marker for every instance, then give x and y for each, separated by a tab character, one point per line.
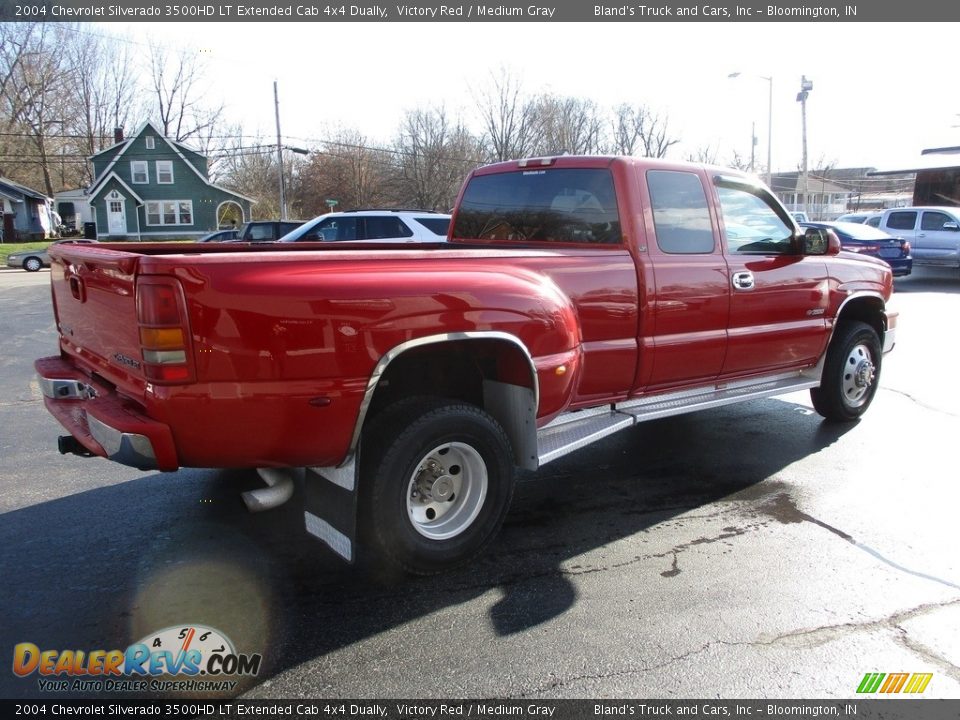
560	682
928	654
806	636
921	403
17	403
825	633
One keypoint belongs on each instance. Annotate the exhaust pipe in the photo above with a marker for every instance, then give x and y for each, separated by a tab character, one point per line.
279	489
69	445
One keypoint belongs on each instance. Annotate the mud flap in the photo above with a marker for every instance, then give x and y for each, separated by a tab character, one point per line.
330	507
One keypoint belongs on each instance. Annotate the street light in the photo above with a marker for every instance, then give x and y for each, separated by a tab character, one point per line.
769	123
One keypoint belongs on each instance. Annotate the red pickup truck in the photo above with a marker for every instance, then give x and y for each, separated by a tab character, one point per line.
577	296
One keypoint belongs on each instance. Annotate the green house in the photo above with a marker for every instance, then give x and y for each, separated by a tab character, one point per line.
148	187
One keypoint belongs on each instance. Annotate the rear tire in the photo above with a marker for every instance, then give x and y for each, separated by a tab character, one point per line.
437	478
851	373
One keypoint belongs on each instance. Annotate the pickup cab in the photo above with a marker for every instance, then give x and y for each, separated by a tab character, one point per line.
575	297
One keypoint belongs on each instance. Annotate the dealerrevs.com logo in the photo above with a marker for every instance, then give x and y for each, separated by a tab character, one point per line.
184	658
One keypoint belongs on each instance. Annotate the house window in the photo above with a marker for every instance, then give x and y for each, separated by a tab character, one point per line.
138	172
116	206
165	172
170	212
150	142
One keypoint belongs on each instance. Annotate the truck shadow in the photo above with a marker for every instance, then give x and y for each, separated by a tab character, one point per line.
105	568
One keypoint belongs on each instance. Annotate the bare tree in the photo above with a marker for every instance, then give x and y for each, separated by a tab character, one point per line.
567	125
433	154
105	91
345	168
177	91
638	130
705	154
509	120
35	99
251	170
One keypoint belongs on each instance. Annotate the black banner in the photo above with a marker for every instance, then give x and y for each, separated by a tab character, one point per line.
456	11
888	709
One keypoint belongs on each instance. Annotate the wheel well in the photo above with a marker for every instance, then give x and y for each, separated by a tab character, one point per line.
865	309
456	370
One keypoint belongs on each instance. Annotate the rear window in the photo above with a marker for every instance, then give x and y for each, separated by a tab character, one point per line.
544	205
435	225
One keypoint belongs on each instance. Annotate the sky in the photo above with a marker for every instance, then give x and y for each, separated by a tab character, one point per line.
881	91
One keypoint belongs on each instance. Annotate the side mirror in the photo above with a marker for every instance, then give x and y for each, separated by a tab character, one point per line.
950	226
818	241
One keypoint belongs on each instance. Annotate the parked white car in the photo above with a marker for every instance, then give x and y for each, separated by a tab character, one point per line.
869	217
384	226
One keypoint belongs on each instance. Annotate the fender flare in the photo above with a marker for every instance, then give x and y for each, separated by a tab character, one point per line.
381	367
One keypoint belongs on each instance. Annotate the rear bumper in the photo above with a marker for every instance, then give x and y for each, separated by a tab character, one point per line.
101	420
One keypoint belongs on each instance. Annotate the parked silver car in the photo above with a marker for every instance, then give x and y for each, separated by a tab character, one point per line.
33	260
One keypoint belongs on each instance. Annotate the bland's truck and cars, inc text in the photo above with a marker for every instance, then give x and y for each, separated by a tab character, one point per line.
576	297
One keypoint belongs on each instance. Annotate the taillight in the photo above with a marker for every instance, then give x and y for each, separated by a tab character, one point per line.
164	335
905	247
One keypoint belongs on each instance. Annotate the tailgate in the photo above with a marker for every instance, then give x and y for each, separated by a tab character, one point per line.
95	307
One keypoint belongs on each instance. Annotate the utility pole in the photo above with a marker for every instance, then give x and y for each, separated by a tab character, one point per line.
769	79
805	87
283	190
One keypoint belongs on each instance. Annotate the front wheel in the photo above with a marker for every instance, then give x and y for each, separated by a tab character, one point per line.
851	373
436	483
32	264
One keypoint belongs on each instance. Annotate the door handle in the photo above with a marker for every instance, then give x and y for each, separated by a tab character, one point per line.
742	280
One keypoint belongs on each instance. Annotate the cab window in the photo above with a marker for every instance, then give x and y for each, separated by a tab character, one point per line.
680	214
934	220
902	220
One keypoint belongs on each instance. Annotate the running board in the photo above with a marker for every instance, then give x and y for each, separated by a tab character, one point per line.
574	430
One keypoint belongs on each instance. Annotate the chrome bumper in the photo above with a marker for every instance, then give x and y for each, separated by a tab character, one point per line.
127	448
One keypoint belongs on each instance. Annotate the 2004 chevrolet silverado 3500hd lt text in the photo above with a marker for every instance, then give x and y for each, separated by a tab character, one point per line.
577	296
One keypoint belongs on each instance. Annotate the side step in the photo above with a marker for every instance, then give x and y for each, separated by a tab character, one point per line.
574	430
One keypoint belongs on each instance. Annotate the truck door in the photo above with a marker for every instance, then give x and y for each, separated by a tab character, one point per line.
779	297
689	335
902	224
938	239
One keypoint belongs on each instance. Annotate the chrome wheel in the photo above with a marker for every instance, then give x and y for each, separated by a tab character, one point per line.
858	374
447	491
32	264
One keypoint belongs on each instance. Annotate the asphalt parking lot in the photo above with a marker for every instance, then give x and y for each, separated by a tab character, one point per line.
744	552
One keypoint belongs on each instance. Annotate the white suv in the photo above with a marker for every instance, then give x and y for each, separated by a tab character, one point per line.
385	226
